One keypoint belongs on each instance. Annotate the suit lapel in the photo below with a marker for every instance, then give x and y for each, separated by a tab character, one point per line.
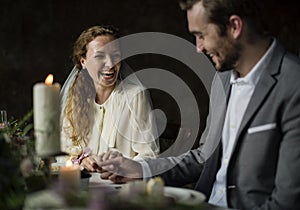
263	87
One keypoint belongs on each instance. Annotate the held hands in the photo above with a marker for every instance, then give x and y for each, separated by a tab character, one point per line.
107	156
113	166
119	169
90	163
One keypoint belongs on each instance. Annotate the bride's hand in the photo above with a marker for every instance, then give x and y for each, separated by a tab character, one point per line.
90	163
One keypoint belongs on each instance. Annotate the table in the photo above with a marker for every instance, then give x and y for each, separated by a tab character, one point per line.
51	199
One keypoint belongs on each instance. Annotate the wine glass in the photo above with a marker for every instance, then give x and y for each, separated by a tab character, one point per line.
3	119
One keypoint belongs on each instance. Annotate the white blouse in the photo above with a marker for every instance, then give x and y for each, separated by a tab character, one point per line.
123	123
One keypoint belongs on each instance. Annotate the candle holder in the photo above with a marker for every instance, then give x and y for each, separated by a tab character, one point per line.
47	160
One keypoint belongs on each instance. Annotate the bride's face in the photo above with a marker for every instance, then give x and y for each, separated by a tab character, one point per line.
102	61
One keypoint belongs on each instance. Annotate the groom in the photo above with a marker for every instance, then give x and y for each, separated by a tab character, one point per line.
251	153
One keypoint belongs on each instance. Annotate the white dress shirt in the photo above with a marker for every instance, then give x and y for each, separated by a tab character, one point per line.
241	93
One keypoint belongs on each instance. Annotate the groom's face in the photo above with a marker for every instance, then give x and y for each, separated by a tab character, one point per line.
222	50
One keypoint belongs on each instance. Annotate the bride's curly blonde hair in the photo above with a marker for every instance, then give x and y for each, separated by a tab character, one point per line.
79	106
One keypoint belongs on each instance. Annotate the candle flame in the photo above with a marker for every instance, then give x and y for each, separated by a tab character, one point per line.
69	163
49	79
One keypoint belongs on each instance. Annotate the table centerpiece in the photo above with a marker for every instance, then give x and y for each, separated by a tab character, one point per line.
21	171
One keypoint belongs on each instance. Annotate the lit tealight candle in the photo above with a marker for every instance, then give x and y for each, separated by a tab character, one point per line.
69	177
46	117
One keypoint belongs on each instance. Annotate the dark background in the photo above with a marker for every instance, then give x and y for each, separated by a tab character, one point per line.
36	39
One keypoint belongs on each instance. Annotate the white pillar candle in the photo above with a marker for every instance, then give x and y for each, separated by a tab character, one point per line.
46	117
69	177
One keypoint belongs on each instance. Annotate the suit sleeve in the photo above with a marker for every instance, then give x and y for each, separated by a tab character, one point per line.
183	169
178	171
187	168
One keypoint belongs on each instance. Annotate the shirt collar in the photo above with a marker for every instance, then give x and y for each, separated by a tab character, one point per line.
253	76
104	105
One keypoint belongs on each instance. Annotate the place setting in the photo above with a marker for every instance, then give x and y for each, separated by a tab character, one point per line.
86	190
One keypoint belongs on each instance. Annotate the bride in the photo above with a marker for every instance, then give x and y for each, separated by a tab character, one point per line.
102	110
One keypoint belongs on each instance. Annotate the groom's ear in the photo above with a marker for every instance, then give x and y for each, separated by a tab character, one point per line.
235	26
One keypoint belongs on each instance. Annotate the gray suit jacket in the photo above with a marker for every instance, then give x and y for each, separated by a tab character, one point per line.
263	170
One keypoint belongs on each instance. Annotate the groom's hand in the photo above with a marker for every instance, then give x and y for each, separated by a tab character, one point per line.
122	169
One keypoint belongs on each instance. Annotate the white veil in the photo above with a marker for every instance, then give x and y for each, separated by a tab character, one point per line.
65	90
